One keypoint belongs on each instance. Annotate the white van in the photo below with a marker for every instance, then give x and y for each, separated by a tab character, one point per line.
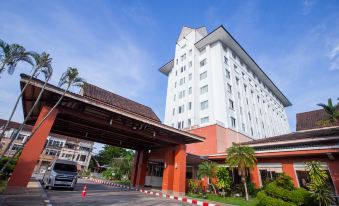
61	173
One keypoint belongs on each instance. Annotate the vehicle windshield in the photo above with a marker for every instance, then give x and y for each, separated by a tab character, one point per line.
65	167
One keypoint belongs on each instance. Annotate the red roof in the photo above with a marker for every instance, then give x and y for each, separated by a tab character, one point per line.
313	120
103	96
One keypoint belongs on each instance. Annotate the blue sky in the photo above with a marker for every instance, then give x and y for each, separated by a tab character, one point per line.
119	45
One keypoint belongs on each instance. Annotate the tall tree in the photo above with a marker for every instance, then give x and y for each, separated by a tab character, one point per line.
11	55
208	170
330	109
109	152
242	157
68	78
43	62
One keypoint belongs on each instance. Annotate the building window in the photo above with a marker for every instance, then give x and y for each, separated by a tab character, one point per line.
228	74
182	81
173	112
245	87
189	122
204	120
190	52
204	105
251	131
183	57
181	109
190	90
179	125
225	60
174	97
229	88
235	67
175	84
243	127
240	110
189	105
190	76
239	97
204	89
203	63
237	80
249	116
176	61
203	75
233	121
176	72
190	64
231	104
234	55
16	147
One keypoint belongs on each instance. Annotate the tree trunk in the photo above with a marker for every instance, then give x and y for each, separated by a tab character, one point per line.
25	120
243	179
16	104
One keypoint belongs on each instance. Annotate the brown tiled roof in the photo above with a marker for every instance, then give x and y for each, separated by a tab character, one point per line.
96	93
311	120
324	132
15	125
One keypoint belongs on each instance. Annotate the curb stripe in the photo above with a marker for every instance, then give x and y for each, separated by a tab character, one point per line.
166	196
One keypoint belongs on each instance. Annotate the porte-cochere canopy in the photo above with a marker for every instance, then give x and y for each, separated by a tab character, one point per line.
101	116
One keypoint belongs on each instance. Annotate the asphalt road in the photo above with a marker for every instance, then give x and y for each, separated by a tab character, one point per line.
99	194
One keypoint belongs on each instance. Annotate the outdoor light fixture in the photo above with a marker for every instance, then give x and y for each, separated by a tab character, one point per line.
176	166
154	133
149	151
165	165
110	121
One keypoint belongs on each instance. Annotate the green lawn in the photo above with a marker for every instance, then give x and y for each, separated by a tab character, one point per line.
228	200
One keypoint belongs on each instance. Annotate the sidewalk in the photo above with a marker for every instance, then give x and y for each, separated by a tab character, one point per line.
32	195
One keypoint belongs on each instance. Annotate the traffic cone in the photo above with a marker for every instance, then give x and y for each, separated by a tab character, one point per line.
83	194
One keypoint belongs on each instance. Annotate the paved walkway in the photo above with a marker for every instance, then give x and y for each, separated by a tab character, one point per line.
33	195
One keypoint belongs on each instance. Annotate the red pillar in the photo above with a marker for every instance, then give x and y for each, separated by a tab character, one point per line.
142	168
135	168
334	171
254	173
288	169
179	180
32	150
167	178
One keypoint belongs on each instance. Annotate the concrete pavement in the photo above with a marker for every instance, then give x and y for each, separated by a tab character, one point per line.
99	195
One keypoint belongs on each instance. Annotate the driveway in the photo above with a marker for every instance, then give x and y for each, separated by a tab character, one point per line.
99	194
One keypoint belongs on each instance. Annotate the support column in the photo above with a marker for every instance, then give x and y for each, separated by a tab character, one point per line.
288	169
168	174
179	180
142	168
334	171
254	173
32	150
135	169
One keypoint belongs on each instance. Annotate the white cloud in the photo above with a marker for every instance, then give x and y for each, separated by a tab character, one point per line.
334	58
308	6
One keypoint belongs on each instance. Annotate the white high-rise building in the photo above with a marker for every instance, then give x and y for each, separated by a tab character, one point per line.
212	80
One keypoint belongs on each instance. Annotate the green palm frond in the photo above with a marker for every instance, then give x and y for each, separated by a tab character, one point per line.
207	169
71	78
242	157
330	109
43	63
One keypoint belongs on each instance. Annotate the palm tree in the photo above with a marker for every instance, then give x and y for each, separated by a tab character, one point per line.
43	62
12	54
68	78
332	110
242	157
208	170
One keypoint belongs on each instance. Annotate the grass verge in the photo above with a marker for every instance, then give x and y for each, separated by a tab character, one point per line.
239	201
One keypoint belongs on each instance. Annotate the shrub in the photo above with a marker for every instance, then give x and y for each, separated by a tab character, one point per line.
266	200
224	180
10	167
282	192
193	186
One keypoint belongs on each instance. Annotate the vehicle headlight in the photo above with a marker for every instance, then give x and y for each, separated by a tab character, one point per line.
54	174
